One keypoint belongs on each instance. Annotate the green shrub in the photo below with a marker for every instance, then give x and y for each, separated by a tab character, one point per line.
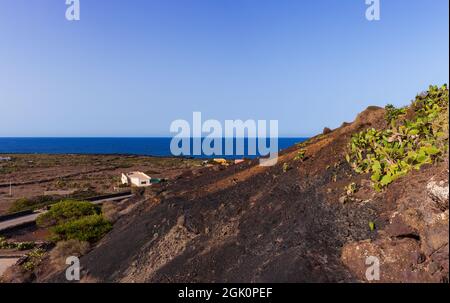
32	203
4	244
351	189
407	143
43	201
91	228
393	113
78	220
300	155
33	259
66	211
372	226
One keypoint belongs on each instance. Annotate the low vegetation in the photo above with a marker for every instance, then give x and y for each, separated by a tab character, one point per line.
393	113
42	161
77	220
66	211
33	259
4	244
68	248
111	211
32	203
40	202
351	189
90	229
372	226
416	135
300	155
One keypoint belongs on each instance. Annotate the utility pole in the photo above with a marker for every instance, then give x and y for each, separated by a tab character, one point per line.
10	188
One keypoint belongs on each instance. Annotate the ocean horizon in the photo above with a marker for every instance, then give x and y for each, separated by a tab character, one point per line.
141	146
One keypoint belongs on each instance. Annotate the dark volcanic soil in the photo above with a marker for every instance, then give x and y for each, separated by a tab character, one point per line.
247	223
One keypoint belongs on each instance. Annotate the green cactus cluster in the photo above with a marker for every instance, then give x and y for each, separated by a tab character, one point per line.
407	143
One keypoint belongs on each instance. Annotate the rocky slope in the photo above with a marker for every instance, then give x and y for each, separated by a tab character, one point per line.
292	222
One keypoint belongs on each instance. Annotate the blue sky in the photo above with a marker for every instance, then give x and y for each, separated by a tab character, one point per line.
129	68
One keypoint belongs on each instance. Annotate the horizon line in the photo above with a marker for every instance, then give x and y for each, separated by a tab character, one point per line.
139	137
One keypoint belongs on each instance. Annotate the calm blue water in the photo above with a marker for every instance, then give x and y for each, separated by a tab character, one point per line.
134	146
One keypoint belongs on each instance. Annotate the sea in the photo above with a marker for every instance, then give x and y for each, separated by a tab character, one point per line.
154	146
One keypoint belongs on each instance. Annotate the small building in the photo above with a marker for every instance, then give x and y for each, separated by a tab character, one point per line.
136	178
5	159
220	161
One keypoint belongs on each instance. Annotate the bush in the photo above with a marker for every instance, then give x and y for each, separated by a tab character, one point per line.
393	113
300	155
66	211
91	229
77	220
4	244
43	201
407	144
33	259
351	189
32	203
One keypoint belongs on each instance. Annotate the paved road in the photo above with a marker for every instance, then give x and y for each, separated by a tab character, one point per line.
19	221
27	219
112	199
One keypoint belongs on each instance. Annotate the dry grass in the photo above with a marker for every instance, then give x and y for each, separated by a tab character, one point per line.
65	249
111	211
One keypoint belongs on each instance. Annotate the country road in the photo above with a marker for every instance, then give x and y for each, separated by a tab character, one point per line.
19	221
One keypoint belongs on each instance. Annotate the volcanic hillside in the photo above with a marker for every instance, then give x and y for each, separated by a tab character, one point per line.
314	217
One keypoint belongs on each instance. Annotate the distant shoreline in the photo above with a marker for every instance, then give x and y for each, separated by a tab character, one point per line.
96	155
157	147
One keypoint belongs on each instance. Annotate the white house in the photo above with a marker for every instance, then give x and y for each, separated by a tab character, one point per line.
136	178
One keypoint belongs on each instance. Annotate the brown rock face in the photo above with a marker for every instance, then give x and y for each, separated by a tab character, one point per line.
326	131
439	194
398	261
418	219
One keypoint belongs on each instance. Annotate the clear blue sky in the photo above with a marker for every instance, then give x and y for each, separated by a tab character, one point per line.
130	67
